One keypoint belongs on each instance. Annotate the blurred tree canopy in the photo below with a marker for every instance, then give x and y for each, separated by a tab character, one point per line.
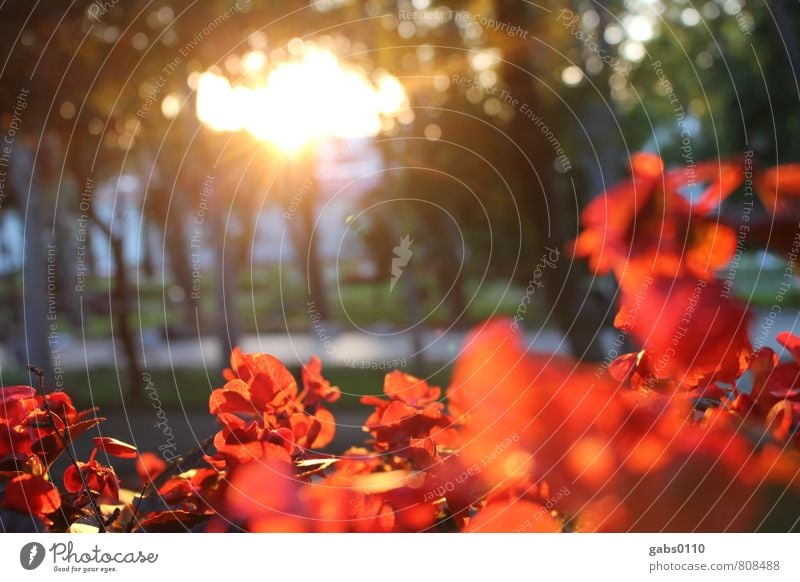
522	112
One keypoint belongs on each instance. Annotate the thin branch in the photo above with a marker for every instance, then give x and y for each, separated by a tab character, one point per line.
66	440
174	468
136	506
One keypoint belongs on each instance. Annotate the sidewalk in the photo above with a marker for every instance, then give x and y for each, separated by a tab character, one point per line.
347	348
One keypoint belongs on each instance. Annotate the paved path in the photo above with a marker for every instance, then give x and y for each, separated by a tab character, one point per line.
350	348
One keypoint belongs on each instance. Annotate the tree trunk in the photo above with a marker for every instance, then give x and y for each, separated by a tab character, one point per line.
307	240
177	247
121	312
450	267
226	278
548	201
36	327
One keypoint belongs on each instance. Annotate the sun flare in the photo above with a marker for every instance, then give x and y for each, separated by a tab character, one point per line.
301	101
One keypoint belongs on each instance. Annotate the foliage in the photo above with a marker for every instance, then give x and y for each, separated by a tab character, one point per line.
698	430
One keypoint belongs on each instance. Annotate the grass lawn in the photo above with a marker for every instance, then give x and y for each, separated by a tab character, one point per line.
190	388
259	306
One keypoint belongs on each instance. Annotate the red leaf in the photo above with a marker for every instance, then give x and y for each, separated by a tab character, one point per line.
100	480
327	428
232	398
272	383
72	480
722	176
423	452
14	393
514	516
50	446
149	466
409	389
31	494
791	342
116	448
646	165
621	367
315	387
779	185
171	520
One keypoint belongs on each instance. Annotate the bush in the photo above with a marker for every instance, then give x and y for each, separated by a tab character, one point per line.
696	431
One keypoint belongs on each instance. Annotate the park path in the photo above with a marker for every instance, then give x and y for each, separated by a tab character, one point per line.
344	348
348	348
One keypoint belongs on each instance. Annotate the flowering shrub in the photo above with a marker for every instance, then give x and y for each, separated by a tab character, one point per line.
696	431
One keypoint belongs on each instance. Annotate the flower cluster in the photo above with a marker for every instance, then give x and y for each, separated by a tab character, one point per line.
696	430
35	429
262	413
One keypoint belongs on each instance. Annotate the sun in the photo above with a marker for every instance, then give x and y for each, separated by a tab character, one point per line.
301	101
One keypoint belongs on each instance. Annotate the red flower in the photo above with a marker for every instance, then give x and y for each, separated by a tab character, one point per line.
646	227
31	494
260	407
263	497
242	441
411	413
192	491
316	389
269	380
688	333
101	481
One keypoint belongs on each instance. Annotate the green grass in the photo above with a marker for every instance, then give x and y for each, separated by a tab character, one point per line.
260	309
103	387
758	280
190	388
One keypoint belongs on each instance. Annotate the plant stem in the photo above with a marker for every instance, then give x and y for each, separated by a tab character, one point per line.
65	442
166	474
129	527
